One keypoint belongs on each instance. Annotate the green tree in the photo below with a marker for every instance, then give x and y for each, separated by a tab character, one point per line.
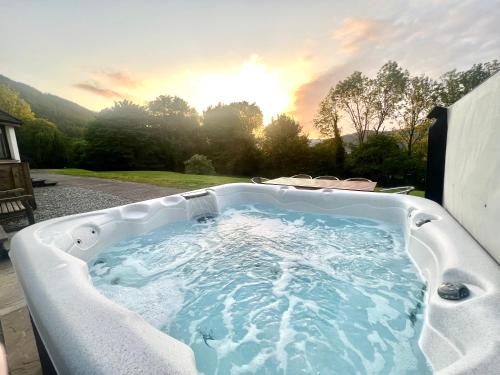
285	149
166	106
229	130
329	115
328	158
381	159
388	91
177	127
355	95
455	84
11	102
42	144
339	150
77	153
329	154
40	141
121	138
420	96
250	114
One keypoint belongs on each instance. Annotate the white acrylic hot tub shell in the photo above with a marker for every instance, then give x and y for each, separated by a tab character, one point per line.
86	333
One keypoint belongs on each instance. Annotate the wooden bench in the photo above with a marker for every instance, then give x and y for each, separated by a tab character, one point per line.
16	175
14	204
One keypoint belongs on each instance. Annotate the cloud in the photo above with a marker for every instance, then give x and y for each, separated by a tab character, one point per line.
354	33
309	95
429	38
94	88
120	78
104	80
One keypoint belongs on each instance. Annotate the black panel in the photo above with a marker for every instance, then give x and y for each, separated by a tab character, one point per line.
45	361
436	155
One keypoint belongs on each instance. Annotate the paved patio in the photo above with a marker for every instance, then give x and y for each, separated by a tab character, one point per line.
71	195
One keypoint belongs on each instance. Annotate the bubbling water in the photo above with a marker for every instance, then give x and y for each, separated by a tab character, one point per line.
270	291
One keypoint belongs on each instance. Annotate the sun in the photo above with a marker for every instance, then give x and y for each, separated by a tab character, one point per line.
271	88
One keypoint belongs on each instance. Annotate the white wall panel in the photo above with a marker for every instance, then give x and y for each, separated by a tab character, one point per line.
472	174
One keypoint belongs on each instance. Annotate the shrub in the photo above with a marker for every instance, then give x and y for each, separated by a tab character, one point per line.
381	159
199	164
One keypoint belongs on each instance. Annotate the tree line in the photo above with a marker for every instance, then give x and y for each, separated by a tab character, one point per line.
396	98
387	111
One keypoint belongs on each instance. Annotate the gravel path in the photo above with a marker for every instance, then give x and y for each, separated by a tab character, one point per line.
59	201
56	201
129	190
75	194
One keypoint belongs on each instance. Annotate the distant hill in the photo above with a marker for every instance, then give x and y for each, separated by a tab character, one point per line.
70	117
350	139
346	138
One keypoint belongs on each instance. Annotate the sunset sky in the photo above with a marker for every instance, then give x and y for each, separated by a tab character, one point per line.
284	55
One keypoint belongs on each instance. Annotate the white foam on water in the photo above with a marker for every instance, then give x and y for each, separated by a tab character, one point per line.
254	365
149	300
286	335
267	291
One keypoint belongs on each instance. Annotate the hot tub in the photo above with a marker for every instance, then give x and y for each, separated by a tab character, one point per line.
85	332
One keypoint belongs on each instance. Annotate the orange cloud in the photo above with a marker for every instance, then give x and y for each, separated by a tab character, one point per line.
357	38
309	95
94	88
121	78
353	33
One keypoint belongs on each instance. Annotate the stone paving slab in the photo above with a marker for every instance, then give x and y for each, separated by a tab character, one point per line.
22	355
11	294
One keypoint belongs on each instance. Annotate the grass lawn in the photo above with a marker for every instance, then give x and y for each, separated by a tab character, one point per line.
160	178
418	193
168	179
